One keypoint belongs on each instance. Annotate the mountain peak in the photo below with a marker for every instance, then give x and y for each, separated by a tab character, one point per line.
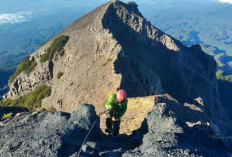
129	15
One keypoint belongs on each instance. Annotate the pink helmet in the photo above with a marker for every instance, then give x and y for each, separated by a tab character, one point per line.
121	95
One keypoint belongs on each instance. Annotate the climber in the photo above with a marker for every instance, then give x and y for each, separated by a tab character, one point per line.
117	106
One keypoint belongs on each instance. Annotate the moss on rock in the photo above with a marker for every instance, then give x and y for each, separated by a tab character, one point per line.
56	46
26	65
31	101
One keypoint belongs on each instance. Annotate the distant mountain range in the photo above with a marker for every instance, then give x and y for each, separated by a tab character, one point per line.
5	74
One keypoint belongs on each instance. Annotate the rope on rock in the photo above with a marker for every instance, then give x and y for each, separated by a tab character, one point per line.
100	114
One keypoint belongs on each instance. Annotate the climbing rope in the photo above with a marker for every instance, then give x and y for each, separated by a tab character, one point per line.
100	114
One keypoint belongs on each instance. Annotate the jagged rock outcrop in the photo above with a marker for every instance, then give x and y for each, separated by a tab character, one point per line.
47	134
170	135
164	132
115	46
26	83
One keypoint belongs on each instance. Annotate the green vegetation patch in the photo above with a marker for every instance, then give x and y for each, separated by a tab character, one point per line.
220	76
59	75
32	100
26	65
6	116
57	45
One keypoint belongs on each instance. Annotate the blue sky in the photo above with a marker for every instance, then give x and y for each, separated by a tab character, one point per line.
15	11
17	17
226	1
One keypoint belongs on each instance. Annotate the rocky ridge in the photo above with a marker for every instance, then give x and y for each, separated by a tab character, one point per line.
164	132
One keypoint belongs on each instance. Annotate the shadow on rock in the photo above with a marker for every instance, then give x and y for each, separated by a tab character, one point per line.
78	126
170	134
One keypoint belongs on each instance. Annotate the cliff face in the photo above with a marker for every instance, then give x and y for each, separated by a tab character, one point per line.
185	73
87	66
115	46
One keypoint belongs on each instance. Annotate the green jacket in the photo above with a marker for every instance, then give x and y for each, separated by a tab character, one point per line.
118	108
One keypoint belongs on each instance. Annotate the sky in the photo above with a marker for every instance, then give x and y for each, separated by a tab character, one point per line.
15	12
12	18
226	1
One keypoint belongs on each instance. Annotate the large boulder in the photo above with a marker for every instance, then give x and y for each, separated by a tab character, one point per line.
48	134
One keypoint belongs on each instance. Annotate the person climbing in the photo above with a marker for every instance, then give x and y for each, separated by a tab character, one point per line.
117	106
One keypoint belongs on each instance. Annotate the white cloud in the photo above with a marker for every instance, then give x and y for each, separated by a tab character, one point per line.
226	1
14	18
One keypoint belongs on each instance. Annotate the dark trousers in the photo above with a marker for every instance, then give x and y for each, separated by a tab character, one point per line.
111	124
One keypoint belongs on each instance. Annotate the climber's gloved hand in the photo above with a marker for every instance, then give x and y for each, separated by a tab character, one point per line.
113	118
